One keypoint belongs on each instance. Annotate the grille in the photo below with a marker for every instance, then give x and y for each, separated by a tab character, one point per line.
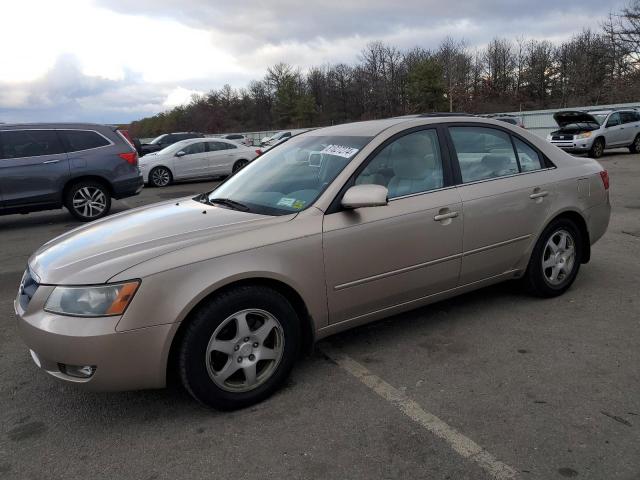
562	137
28	287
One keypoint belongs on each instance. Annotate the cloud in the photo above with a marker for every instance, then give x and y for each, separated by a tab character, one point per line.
117	60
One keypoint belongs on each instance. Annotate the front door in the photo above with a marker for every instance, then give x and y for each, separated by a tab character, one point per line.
615	131
191	161
506	196
380	257
33	167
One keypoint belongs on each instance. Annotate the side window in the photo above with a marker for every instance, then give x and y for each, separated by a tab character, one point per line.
628	117
483	153
83	140
215	146
529	158
614	120
194	148
30	143
168	139
410	164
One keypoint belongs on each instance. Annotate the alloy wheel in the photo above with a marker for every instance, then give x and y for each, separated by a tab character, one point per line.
245	350
160	177
558	257
89	201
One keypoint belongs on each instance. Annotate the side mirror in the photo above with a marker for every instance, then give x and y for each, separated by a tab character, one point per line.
362	196
181	153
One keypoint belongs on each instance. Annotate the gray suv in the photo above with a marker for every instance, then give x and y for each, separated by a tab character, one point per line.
79	166
594	131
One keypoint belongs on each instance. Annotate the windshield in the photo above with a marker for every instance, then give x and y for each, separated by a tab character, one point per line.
600	117
157	140
290	177
173	147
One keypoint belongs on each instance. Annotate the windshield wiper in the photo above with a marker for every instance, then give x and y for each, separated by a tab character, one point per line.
227	202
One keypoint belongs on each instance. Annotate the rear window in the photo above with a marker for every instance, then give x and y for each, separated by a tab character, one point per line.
29	143
83	140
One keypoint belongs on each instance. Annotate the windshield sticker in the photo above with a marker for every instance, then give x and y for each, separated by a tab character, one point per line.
340	151
286	202
298	204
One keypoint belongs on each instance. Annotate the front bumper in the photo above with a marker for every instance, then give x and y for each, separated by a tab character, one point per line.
129	360
574	146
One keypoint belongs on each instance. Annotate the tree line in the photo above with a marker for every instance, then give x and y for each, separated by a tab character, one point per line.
593	67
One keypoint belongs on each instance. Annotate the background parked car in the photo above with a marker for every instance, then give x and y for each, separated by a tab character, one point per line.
595	131
274	139
167	139
195	158
238	138
512	119
81	166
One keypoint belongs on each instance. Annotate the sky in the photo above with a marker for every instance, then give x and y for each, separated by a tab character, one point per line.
113	61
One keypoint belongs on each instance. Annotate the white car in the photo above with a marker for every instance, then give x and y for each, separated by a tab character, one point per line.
195	158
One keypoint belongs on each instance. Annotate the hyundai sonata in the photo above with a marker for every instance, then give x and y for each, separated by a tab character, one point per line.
330	229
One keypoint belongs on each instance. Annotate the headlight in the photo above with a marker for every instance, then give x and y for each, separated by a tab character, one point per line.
583	135
94	301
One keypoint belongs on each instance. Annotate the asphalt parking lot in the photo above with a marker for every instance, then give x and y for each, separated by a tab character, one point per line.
544	388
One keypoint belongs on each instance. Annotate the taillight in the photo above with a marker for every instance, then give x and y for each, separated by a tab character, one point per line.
130	157
258	152
604	175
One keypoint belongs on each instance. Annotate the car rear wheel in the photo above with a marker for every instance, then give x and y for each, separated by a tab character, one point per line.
88	200
160	177
635	146
239	347
556	259
597	149
239	165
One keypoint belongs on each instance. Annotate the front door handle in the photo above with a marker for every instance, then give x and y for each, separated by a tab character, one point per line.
445	216
541	194
50	161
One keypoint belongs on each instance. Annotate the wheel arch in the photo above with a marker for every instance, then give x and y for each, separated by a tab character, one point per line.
581	223
94	178
290	293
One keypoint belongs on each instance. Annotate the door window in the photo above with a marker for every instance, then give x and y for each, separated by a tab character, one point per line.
529	158
629	117
614	120
216	146
83	140
194	148
483	153
411	164
30	143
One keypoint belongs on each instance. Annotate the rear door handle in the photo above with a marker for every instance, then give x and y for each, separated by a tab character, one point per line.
50	161
445	216
541	194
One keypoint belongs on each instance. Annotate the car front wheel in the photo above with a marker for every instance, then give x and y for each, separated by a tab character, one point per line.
597	149
239	347
160	177
555	260
88	200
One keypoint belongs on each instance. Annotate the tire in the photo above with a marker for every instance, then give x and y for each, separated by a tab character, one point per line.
160	177
239	165
544	263
88	200
223	378
635	146
597	149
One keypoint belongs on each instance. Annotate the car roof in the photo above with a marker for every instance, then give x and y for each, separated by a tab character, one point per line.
55	125
371	128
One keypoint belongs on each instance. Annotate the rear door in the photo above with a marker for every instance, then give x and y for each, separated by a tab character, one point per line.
194	163
33	167
506	192
630	126
221	157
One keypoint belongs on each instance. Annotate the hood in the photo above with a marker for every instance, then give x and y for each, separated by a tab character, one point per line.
568	117
96	252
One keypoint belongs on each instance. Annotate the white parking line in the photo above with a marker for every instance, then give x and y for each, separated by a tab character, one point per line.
464	446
